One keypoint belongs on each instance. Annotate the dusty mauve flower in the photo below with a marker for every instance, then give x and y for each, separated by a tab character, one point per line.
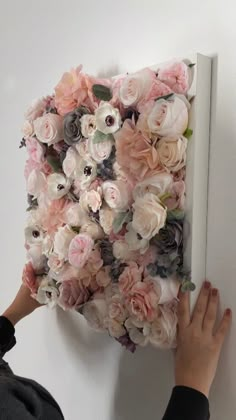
116	195
62	241
168	118
72	294
29	278
106	218
49	128
142	301
172	152
35	149
131	275
57	186
169	240
80	250
72	125
88	125
134	153
177	75
164	328
108	119
149	215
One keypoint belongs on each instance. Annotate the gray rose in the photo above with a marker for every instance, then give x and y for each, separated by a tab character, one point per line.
72	125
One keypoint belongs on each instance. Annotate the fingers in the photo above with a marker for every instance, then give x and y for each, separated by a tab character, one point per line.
224	327
211	312
184	310
201	305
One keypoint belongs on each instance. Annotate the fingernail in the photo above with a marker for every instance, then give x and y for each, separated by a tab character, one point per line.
228	312
207	285
214	292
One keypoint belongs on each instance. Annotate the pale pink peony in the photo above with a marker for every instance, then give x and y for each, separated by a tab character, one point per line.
29	278
142	301
134	152
80	249
35	149
72	294
73	90
53	216
132	274
176	76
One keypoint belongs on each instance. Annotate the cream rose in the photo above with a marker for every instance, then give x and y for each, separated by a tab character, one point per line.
138	331
121	251
100	151
75	215
134	87
116	195
92	229
172	152
106	218
62	241
88	125
157	184
168	118
49	128
134	242
149	215
169	289
115	328
164	328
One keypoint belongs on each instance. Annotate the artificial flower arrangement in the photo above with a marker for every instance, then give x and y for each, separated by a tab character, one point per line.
105	178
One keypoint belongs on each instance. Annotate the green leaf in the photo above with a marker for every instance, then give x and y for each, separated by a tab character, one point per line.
191	65
121	218
102	92
188	133
54	163
176	214
75	229
188	286
166	97
99	137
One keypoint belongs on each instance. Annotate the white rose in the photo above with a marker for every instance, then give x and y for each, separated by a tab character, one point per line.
134	87
149	215
92	229
157	184
134	242
172	152
116	195
108	119
55	263
95	313
88	125
168	118
169	289
137	330
49	128
62	241
100	151
27	129
164	328
91	200
115	329
57	186
36	183
70	162
106	218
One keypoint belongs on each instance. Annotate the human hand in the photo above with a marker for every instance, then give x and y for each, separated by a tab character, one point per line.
199	343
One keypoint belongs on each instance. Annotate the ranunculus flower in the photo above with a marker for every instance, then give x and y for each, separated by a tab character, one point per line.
168	118
36	183
100	151
142	301
72	294
80	250
57	186
149	215
95	312
35	149
158	184
72	125
88	125
36	109
103	278
177	75
135	153
49	128
29	278
106	218
172	152
91	200
116	194
131	275
164	328
108	119
86	172
62	241
27	129
92	229
135	243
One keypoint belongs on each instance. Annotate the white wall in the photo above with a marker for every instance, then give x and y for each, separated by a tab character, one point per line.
89	374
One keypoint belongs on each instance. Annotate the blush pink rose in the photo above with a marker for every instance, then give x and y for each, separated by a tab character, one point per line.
80	249
135	153
35	149
116	194
49	128
72	294
142	301
177	76
29	278
132	274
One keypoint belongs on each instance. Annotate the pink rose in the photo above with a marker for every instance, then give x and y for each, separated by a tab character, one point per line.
176	196
142	301
80	249
27	129
164	328
116	309
72	294
35	149
131	275
29	278
30	166
178	76
49	128
116	194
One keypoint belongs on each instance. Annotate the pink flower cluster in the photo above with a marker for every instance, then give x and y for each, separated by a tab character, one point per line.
105	177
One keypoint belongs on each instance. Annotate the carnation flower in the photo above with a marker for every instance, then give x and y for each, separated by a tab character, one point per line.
108	119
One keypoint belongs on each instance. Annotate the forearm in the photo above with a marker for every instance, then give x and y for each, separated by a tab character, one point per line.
187	404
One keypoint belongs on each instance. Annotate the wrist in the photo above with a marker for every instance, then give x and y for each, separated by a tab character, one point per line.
197	386
12	315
